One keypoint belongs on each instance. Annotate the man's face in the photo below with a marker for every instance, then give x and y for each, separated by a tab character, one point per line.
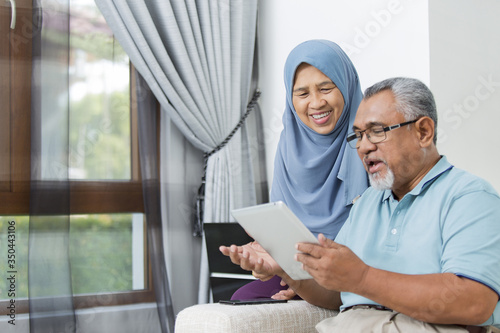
395	162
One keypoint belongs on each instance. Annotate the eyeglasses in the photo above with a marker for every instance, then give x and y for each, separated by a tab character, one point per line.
375	134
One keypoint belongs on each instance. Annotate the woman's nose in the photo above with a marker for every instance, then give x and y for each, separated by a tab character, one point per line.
317	101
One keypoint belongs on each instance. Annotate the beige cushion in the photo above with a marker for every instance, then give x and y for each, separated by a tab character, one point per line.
294	316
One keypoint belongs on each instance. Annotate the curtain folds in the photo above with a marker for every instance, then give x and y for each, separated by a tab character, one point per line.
197	56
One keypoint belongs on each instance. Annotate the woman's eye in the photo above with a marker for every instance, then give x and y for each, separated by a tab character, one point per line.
327	89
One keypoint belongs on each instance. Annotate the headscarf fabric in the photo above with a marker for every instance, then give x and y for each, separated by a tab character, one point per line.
317	175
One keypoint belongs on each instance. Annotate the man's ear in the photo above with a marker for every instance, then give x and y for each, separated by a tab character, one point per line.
425	130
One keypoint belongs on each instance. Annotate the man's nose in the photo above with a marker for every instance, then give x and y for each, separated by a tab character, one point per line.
364	145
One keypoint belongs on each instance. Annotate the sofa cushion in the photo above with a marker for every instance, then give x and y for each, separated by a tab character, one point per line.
293	316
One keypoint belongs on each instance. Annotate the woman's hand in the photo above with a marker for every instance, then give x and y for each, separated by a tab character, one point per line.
253	257
285	294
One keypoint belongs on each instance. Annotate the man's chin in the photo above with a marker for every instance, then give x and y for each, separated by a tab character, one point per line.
381	183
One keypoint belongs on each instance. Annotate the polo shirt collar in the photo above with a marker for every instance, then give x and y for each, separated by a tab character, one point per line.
387	195
441	166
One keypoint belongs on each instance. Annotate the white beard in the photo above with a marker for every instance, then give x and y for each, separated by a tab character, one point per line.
382	183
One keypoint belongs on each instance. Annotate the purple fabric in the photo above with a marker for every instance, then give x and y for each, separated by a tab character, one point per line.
260	289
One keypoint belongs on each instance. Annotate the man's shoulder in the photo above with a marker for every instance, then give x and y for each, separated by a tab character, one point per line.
452	182
461	181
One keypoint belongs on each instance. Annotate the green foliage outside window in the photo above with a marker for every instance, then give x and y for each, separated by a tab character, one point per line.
100	253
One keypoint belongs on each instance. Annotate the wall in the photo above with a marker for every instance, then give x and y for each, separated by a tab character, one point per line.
446	44
465	77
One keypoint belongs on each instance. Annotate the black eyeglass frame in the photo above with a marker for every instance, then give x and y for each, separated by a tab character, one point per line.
354	136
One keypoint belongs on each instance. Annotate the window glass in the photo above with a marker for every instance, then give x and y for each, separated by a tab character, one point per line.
14	260
99	98
92	80
106	254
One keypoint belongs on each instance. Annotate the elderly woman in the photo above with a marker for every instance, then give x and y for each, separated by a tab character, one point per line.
315	173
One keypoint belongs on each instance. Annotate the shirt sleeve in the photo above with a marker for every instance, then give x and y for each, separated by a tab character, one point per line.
471	238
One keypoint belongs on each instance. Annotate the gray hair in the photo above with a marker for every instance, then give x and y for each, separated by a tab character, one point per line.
414	99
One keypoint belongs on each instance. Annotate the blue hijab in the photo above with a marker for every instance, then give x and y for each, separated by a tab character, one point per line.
317	175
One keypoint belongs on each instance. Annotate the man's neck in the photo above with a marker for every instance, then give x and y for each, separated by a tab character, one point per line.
400	192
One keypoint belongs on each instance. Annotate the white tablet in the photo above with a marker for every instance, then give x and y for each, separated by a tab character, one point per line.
277	229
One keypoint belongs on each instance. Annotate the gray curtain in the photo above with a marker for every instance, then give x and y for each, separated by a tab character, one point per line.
197	56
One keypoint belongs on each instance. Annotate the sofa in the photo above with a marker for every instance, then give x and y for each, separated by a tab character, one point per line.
291	317
295	316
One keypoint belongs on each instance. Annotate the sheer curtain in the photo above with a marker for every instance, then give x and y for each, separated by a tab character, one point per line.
148	125
49	280
51	301
197	56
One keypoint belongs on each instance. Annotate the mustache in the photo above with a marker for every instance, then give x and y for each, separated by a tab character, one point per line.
368	160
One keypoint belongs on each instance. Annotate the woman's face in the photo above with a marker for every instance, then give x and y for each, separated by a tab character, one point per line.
316	99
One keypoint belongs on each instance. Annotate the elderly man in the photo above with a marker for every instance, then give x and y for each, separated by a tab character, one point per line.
420	251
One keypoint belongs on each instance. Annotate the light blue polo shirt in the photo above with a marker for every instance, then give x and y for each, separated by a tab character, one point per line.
450	222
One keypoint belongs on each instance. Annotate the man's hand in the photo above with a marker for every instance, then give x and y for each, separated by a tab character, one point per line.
333	266
252	257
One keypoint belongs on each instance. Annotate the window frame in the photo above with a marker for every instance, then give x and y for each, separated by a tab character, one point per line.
87	197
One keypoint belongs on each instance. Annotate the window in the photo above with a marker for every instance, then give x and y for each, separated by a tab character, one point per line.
107	227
